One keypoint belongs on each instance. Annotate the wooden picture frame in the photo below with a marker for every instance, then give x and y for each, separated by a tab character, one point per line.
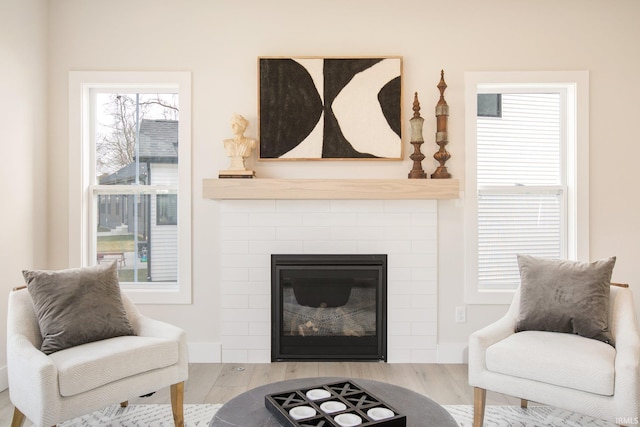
330	108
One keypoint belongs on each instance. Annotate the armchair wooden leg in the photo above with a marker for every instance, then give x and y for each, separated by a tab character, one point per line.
479	400
523	403
18	418
177	403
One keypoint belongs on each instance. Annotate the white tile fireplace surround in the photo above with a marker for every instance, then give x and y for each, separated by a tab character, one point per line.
252	230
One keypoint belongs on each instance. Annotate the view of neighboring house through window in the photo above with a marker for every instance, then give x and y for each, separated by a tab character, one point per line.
130	175
137	146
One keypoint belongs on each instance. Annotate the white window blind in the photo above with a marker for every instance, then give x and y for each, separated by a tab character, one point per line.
521	186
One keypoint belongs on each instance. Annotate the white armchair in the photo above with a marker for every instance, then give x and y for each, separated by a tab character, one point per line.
49	389
558	369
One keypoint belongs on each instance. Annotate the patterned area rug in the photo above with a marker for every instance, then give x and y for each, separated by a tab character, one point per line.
143	416
200	415
533	416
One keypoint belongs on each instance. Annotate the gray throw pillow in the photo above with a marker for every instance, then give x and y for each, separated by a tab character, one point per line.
565	296
77	306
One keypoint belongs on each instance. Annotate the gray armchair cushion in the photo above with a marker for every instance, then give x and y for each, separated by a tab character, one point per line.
565	296
77	306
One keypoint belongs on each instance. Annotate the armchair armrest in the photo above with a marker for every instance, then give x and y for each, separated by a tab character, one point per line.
31	373
482	339
627	339
146	327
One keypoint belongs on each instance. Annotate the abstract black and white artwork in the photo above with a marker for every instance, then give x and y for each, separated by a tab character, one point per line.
330	108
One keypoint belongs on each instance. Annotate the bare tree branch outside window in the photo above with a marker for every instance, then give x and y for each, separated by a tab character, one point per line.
116	136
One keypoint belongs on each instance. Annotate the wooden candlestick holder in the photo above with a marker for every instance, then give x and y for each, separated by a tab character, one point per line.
417	141
442	137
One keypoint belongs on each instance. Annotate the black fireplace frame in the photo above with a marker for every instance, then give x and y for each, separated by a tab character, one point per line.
341	348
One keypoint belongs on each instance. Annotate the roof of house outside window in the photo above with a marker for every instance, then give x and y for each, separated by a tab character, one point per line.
158	144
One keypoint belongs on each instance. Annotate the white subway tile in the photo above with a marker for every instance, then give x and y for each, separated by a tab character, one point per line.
259	356
357	206
396	355
234	247
259	273
397	273
410	206
246	287
424	328
424	246
425	219
247	342
383	219
268	247
260	301
234	328
398	328
234	301
329	219
247	233
275	219
303	205
424	273
234	219
423	301
260	328
330	247
393	248
424	356
244	260
247	205
234	274
233	355
302	233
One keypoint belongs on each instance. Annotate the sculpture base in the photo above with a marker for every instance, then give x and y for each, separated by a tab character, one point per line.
441	173
414	174
232	173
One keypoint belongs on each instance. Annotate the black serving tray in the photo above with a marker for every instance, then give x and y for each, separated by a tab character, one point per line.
356	399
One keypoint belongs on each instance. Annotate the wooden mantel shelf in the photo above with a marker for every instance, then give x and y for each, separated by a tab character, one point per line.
352	189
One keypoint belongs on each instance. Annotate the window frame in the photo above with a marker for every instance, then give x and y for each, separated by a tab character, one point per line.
576	136
81	169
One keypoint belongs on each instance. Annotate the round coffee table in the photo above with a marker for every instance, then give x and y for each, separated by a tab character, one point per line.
248	410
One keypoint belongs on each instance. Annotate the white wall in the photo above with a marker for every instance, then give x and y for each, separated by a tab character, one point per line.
23	75
220	40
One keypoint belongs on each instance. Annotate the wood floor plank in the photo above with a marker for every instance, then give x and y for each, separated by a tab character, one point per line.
206	374
404	375
235	375
223	394
369	370
334	369
301	370
268	373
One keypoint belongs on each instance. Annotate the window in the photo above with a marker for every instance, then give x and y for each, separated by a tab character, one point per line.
527	175
130	160
167	209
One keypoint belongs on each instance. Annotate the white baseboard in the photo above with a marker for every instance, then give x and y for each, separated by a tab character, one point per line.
204	352
453	352
4	379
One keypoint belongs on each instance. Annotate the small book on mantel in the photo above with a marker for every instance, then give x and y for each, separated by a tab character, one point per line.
236	174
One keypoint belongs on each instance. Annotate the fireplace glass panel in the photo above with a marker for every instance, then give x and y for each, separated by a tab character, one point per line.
328	307
321	302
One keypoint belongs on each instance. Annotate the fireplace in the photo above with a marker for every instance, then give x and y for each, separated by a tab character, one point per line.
328	307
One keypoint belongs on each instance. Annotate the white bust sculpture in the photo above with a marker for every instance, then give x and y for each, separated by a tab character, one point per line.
239	147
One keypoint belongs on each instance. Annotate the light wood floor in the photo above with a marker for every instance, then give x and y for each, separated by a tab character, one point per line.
219	382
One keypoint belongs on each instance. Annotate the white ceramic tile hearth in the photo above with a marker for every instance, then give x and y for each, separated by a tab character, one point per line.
405	230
